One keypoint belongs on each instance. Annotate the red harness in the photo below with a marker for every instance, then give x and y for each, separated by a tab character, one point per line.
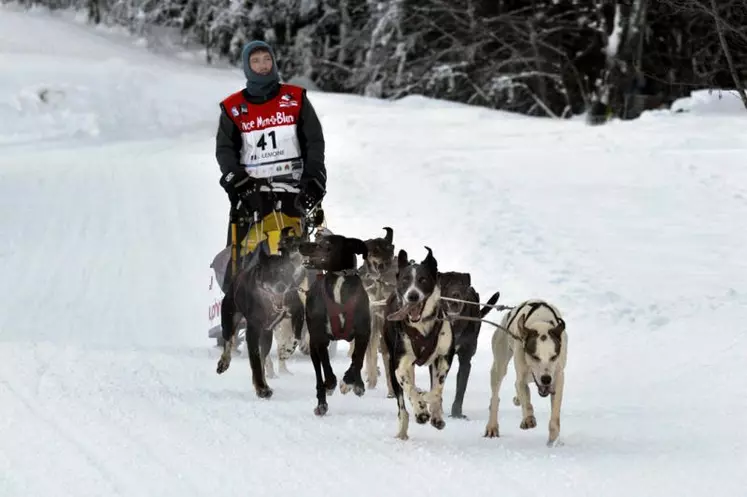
335	310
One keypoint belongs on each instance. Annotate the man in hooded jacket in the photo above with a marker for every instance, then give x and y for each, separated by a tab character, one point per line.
270	146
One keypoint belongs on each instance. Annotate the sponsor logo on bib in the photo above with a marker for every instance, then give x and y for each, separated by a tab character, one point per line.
278	119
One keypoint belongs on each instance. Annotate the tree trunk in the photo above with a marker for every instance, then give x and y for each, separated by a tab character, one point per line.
738	84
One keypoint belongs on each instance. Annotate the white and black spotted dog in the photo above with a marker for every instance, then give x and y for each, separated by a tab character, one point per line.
534	335
416	332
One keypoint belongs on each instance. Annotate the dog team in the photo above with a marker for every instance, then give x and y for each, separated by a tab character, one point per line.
409	312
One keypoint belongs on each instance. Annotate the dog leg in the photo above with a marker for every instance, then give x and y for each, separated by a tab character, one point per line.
465	366
305	345
330	380
321	389
269	368
265	345
255	361
403	417
405	375
352	378
372	352
497	373
229	319
287	344
387	370
555	401
528	420
439	372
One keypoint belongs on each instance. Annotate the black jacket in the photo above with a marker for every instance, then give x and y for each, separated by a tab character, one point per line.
310	138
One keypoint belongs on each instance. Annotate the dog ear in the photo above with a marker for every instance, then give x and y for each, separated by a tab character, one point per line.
557	331
430	262
402	260
466	279
389	235
357	246
520	326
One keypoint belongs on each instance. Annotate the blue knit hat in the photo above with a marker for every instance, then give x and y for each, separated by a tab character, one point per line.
257	84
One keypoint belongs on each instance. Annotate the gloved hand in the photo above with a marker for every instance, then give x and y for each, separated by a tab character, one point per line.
312	192
236	184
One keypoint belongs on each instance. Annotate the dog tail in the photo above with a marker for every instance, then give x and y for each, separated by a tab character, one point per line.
491	301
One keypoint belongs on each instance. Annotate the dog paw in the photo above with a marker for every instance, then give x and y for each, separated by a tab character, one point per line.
264	393
359	390
321	409
390	395
345	387
401	436
223	364
554	431
457	415
516	401
422	417
438	423
528	423
371	381
491	431
554	443
330	385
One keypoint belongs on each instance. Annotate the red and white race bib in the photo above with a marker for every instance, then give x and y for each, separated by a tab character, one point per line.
270	147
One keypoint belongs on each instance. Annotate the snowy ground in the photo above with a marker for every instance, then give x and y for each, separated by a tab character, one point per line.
110	213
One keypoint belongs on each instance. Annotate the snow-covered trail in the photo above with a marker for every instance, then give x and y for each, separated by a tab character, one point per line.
110	213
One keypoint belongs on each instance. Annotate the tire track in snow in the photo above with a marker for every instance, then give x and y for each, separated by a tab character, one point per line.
117	486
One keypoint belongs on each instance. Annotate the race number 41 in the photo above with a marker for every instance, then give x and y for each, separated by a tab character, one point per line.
262	143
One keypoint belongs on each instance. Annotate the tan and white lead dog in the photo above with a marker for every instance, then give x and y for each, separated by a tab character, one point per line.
533	334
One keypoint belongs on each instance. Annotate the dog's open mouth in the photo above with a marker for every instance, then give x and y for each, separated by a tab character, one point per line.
545	390
415	312
454	311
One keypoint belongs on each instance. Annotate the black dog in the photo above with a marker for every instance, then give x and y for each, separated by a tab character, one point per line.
337	308
417	332
379	275
284	333
264	293
459	286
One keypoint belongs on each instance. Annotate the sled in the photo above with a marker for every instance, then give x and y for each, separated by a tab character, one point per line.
268	228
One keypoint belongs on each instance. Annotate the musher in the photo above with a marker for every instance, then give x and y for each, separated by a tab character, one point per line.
270	149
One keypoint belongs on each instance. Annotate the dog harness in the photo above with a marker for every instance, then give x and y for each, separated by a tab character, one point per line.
335	310
532	307
423	346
